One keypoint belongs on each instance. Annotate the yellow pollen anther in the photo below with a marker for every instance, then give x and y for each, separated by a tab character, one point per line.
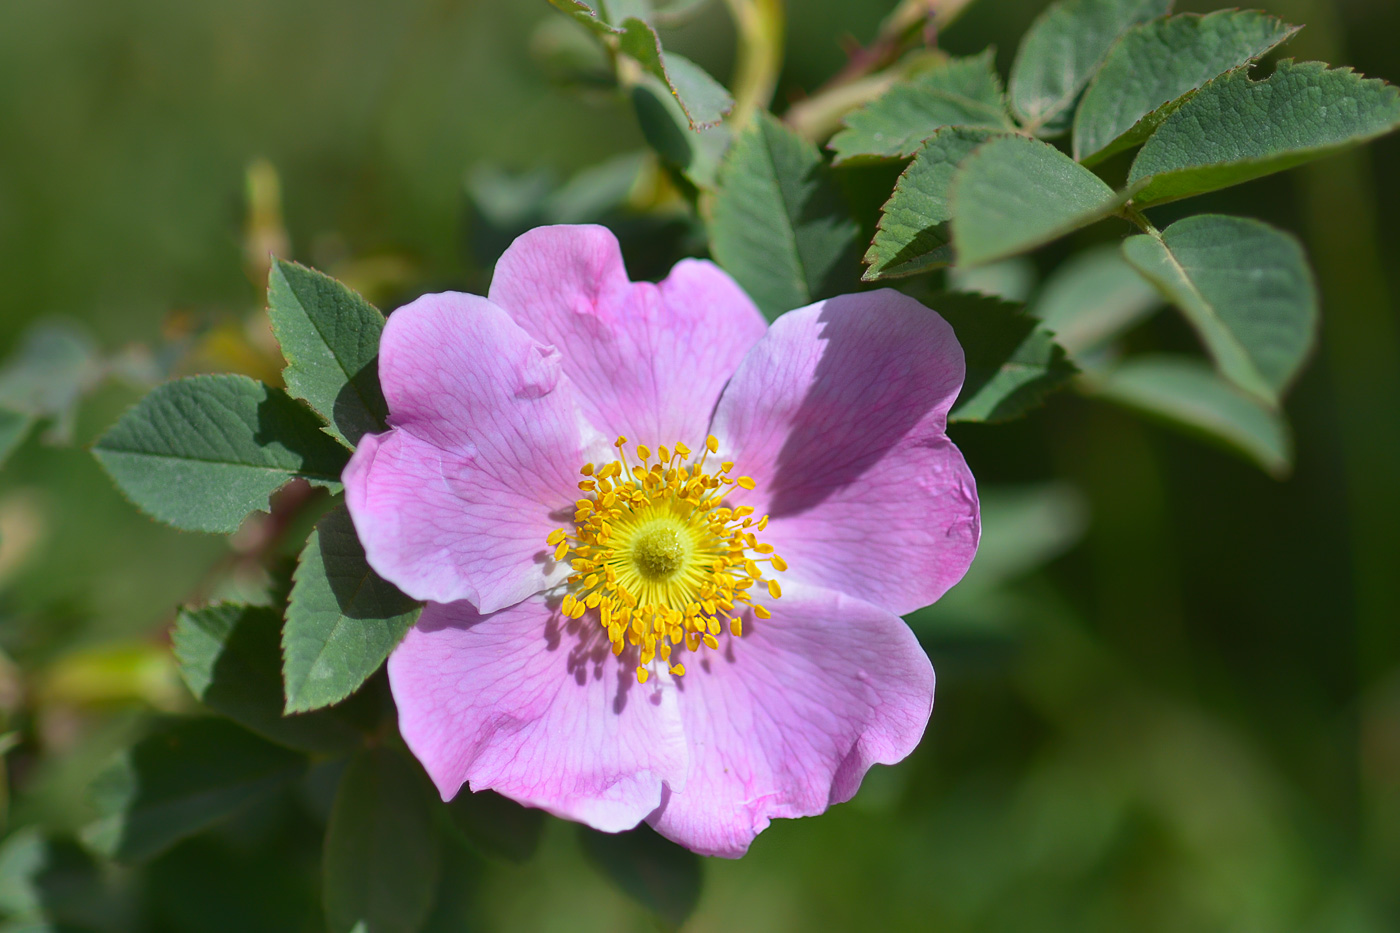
659	558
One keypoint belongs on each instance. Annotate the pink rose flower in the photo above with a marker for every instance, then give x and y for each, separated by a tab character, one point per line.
665	548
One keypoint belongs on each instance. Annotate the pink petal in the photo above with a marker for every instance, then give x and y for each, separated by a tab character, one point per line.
786	720
649	360
541	713
482	463
839	415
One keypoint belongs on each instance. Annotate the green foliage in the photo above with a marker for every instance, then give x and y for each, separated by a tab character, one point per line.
201	453
1185	393
1259	326
657	873
342	621
1156	65
703	99
1012	361
1013	194
1235	129
14	427
695	153
54	365
330	338
913	234
1093	297
230	657
494	825
779	224
382	853
959	92
1062	50
185	776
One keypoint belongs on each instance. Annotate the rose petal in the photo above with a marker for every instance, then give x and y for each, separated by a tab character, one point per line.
542	714
482	463
649	360
838	414
786	720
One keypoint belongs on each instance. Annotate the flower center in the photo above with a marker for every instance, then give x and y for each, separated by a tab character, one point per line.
659	550
658	554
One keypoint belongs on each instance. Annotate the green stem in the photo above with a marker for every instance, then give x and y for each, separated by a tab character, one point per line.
760	25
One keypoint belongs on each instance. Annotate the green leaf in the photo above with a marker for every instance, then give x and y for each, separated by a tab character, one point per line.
962	92
494	825
201	453
1092	298
1234	129
913	234
14	428
342	621
382	854
330	339
1014	193
1152	69
1010	280
703	99
658	874
231	658
1185	393
1062	50
1012	362
667	130
779	224
181	779
1245	287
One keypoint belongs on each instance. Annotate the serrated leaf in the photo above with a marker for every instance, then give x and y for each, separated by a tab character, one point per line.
1189	395
1235	129
179	780
962	92
382	854
913	234
14	427
494	825
1012	362
1245	287
590	14
231	659
779	225
703	99
1152	68
201	453
1092	298
666	128
658	874
330	339
343	618
1062	50
1014	193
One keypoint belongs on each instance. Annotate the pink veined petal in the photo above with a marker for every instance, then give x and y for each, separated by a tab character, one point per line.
786	720
455	502
539	711
649	360
839	414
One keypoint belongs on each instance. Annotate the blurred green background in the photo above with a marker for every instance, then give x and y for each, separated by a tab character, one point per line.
1169	698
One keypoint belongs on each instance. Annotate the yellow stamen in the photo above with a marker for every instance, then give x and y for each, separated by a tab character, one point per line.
658	556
